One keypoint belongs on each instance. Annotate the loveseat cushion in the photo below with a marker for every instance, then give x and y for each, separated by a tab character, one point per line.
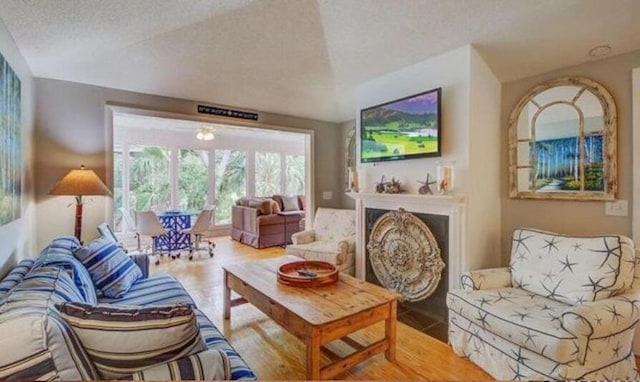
59	254
70	243
124	340
215	340
35	342
520	317
15	276
41	286
571	269
111	270
160	289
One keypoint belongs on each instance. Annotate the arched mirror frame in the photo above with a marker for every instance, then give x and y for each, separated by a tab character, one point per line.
350	159
609	139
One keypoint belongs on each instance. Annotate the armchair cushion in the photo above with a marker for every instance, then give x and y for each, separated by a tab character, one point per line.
334	224
303	237
521	317
492	278
328	251
571	269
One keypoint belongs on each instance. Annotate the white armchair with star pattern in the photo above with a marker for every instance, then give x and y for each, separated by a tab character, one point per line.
565	308
332	239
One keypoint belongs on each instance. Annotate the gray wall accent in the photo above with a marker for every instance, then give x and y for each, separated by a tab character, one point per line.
72	129
572	217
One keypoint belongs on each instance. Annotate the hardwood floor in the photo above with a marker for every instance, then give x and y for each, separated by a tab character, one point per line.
274	354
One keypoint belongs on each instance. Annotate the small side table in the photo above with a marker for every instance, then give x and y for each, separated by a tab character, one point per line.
286	214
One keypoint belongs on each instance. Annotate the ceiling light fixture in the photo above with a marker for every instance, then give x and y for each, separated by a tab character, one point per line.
205	133
600	51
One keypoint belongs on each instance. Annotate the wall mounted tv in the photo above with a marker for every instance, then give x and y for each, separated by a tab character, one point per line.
402	129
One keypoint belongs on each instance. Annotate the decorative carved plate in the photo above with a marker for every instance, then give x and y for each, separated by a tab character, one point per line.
404	255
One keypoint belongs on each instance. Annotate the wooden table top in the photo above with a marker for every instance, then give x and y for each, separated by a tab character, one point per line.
317	306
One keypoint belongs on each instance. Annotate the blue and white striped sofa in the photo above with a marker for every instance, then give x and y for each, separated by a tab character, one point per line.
36	344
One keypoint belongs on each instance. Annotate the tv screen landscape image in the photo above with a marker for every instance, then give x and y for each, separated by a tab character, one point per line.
401	129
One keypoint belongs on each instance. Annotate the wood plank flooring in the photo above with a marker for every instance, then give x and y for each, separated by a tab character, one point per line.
275	354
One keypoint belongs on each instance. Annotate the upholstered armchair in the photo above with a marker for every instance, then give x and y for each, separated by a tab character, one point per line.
332	239
565	308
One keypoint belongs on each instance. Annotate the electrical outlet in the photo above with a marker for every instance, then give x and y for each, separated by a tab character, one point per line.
617	208
327	195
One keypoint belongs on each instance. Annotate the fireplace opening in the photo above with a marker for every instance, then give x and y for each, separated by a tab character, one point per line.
412	254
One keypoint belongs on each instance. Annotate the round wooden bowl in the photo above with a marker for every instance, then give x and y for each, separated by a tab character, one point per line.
307	274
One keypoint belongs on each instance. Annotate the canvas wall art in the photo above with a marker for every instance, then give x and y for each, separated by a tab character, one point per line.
10	144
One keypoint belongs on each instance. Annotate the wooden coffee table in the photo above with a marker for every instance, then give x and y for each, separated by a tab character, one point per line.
316	316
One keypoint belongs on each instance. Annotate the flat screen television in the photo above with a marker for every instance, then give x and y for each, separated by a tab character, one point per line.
402	129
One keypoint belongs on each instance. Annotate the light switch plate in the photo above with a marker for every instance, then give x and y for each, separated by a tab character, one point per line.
617	208
327	195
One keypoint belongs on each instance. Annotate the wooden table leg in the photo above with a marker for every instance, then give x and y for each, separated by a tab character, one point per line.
313	356
390	330
226	295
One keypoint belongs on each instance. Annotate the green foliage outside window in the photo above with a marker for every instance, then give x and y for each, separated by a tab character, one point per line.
231	182
193	179
295	174
149	178
267	174
117	189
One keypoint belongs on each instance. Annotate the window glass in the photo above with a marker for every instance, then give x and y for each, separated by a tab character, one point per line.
117	189
231	182
267	174
193	179
149	178
295	174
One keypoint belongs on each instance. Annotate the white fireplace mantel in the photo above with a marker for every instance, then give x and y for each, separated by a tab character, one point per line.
452	206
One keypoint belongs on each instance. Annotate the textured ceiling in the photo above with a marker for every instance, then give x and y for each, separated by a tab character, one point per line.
300	57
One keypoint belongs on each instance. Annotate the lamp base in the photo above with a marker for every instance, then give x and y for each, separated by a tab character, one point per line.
78	224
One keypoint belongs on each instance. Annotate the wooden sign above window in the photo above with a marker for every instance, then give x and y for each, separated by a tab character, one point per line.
214	110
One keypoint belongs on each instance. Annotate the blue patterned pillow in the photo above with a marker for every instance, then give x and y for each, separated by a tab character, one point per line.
111	270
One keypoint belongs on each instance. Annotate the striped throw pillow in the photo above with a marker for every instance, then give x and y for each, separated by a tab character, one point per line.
210	365
111	270
125	340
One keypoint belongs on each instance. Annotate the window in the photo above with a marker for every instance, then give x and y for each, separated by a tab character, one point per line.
295	174
117	188
267	174
231	182
149	178
193	179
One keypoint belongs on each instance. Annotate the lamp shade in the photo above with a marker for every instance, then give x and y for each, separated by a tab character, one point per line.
80	182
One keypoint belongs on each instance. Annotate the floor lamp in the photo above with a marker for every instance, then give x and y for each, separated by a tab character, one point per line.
80	182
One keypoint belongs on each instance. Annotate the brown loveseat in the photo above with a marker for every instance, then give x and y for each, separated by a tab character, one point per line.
255	221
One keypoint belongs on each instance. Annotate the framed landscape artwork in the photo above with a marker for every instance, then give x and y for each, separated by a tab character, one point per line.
10	144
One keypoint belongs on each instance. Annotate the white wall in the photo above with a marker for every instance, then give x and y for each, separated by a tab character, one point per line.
450	71
471	103
483	190
17	237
